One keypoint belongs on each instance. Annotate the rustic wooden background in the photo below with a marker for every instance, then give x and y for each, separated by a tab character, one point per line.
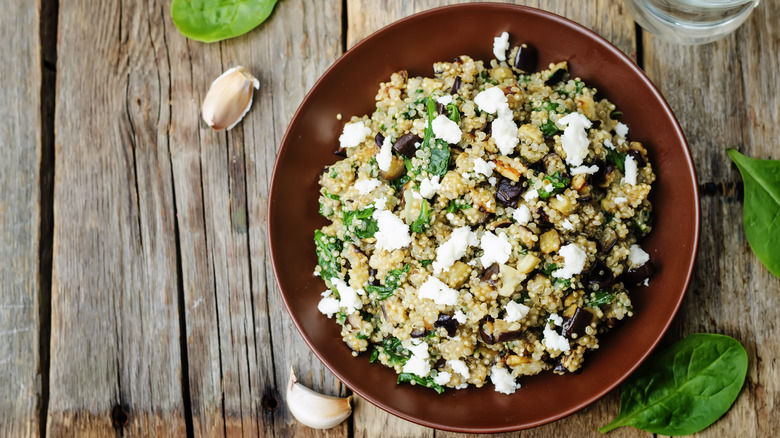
136	294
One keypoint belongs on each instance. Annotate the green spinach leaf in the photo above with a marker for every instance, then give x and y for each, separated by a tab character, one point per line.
215	20
328	254
361	223
557	182
761	212
392	281
454	206
424	381
395	351
421	223
616	158
601	298
685	388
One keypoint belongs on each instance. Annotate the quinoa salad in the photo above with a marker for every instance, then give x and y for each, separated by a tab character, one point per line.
484	223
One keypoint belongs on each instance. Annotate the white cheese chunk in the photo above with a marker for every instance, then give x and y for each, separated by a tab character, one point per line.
515	311
328	305
608	144
445	100
522	215
497	249
393	233
348	297
504	131
446	129
503	380
442	378
460	367
621	129
567	225
575	137
418	363
500	46
380	204
630	167
491	100
429	186
531	195
385	155
585	169
459	316
573	261
438	292
367	186
354	134
552	339
637	256
454	248
483	167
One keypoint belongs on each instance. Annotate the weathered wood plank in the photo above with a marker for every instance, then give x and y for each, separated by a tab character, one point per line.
724	95
20	216
115	330
607	18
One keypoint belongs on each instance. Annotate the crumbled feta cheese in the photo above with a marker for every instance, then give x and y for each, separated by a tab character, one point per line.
500	46
349	300
575	137
552	339
367	186
317	273
393	233
515	311
637	256
446	129
418	363
435	290
497	249
492	180
459	316
503	380
646	282
380	204
483	167
442	378
620	200
549	188
454	248
354	134
460	367
621	129
531	195
445	100
450	217
630	167
573	261
504	131
567	225
429	186
522	215
385	155
491	100
416	195
608	143
585	169
328	306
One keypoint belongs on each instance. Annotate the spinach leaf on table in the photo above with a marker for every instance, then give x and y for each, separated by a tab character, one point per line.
685	388
761	212
214	20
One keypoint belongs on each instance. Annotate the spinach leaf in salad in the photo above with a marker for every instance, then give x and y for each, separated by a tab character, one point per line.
424	381
393	349
328	255
392	281
454	206
423	220
361	223
761	210
617	158
685	388
214	20
557	182
549	128
452	110
601	298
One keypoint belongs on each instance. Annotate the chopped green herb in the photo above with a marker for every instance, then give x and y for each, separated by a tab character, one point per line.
392	282
485	76
617	158
614	114
395	351
562	283
548	270
421	223
424	381
601	298
454	206
425	263
549	128
361	223
361	336
328	254
374	355
558	182
341	317
452	110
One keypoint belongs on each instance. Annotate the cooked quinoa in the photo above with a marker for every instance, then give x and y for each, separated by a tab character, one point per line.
484	224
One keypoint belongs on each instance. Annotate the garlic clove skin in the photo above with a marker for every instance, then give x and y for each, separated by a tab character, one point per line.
229	98
313	409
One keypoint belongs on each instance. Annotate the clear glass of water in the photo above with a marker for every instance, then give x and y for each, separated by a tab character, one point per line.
691	21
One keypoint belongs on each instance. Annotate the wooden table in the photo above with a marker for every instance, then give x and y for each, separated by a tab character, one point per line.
136	293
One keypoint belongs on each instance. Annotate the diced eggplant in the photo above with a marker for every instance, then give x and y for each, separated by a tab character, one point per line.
379	139
396	170
600	275
372	274
527	237
544	221
604	176
486	330
595	124
500	223
637	156
448	322
456	85
527	58
440	363
490	275
442	109
492	331
636	276
577	324
556	76
341	152
608	239
508	192
405	145
417	333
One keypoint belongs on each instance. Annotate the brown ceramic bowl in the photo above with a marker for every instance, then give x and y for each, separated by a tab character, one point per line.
414	43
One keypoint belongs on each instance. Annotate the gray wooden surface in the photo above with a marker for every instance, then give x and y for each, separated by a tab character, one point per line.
136	295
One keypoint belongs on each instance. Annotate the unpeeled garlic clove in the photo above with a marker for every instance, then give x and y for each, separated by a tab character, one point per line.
313	409
229	98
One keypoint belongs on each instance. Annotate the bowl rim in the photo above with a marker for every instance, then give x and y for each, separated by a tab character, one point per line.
640	75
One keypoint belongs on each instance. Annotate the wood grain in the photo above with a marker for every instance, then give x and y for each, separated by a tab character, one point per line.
115	359
725	95
20	216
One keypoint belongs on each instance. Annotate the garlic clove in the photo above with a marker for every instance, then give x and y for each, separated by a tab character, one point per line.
313	409
229	98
